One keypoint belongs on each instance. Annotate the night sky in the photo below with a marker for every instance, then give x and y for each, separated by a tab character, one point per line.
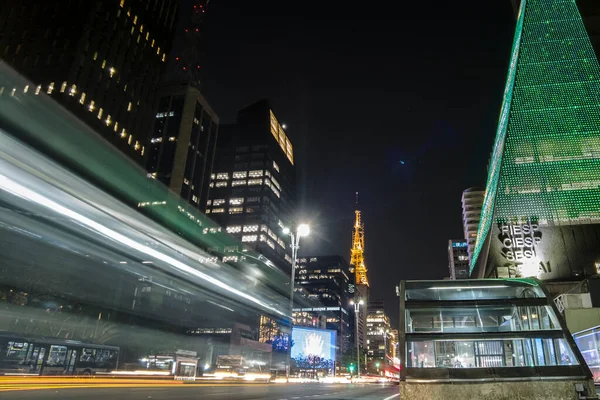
396	100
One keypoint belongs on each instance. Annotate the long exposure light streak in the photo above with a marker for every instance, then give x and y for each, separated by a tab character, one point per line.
16	189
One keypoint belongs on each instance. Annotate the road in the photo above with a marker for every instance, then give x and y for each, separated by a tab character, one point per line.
216	392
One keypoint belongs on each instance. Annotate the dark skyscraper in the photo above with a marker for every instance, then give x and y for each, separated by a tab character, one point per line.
458	259
253	186
100	59
325	280
182	149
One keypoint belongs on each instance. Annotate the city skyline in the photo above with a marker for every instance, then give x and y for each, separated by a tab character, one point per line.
360	117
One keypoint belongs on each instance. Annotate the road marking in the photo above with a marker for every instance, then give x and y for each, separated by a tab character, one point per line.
392	396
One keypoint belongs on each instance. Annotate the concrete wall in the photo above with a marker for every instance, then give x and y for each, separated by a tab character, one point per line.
530	390
579	319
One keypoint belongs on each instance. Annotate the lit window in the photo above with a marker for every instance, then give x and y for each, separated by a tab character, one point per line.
156	140
129	12
116	127
209	202
236	201
218	202
271	244
137	145
73	90
100	111
240	175
95	56
218	210
249	238
277	193
63	87
251	228
236	210
275	166
239	183
147	35
228	259
103	64
130	139
108	120
152	45
222	175
158	50
143	150
275	183
142	28
164	57
38	89
129	106
50	87
82	98
172	139
92	106
135	19
234	229
212	176
196	122
256	173
281	243
221	184
255	182
194	198
111	72
26	89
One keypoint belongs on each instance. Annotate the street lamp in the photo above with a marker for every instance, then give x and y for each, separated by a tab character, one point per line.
356	317
301	231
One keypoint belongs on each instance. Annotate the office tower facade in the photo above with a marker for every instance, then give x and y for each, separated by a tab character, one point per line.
458	259
324	281
379	337
358	268
253	185
541	212
590	14
182	148
472	201
102	60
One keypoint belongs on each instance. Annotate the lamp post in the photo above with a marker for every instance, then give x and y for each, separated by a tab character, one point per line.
302	230
356	317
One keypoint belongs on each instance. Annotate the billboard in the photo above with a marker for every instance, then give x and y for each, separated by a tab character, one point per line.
313	347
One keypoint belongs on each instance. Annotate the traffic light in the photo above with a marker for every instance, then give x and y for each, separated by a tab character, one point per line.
377	364
351	368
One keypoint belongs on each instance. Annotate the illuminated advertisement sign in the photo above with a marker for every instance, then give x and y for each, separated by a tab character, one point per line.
313	348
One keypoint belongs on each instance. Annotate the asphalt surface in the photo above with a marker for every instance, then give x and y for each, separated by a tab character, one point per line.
230	392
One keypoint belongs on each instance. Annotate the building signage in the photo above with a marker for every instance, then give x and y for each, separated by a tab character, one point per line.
519	243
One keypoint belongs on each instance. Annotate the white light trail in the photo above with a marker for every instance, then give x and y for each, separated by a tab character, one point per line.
16	189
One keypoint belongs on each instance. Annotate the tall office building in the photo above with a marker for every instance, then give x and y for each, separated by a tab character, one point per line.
324	280
380	341
472	201
253	187
101	59
358	268
182	149
590	13
541	211
458	259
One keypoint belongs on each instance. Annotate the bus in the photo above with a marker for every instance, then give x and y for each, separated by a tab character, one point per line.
46	356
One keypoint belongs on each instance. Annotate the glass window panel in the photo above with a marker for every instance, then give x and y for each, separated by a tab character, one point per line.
488	353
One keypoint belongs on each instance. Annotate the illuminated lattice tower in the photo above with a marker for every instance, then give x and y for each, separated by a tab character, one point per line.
544	173
357	252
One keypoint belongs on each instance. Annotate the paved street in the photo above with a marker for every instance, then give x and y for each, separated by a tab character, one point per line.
230	392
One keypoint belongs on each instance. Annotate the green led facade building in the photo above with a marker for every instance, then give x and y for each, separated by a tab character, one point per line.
541	213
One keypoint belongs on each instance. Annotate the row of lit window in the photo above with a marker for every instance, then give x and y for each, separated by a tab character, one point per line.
151	203
108	121
159	139
280	136
147	36
233	201
165	114
258	173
